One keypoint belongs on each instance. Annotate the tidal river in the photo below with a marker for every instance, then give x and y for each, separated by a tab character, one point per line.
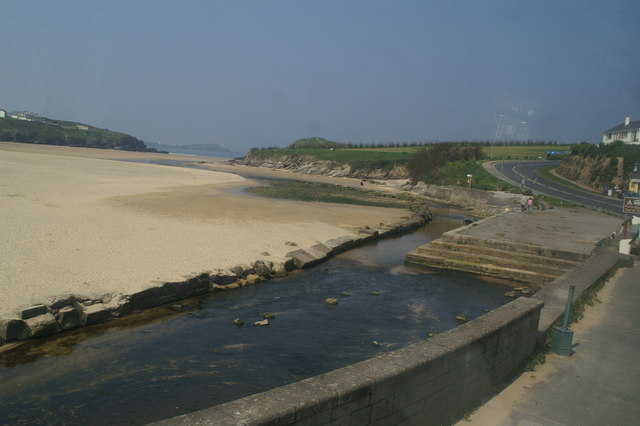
137	370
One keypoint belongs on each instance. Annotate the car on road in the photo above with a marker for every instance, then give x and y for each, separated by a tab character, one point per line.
626	194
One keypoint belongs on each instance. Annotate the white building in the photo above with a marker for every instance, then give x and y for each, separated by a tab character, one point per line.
3	113
627	132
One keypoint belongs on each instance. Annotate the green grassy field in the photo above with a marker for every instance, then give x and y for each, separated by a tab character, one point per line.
396	154
521	152
343	154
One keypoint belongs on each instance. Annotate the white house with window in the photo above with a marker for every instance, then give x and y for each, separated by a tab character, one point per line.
628	132
3	113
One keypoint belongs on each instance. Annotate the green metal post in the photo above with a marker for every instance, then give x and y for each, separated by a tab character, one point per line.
562	337
567	312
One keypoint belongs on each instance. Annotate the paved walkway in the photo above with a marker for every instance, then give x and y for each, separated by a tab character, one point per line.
599	384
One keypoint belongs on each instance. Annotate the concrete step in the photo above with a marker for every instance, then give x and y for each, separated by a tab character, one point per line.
499	256
512	247
536	278
499	262
484	259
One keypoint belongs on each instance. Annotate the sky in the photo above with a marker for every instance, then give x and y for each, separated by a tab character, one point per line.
260	73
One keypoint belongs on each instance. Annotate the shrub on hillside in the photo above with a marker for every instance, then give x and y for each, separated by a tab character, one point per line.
429	161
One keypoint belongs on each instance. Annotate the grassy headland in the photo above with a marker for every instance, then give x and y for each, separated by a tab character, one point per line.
57	132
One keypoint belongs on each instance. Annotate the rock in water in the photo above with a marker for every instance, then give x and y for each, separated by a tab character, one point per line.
238	321
268	315
262	323
462	317
345	293
331	301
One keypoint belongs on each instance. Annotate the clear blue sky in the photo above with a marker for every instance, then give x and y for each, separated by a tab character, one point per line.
258	73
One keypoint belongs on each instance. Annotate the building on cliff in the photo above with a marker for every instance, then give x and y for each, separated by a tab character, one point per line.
627	132
634	178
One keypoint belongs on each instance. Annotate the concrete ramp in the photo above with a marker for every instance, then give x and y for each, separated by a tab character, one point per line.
533	248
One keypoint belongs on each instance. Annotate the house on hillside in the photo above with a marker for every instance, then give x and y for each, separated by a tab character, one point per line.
634	179
3	113
628	132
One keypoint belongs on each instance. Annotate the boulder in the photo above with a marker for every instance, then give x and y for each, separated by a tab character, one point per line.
242	270
331	301
63	300
34	311
289	264
234	284
340	244
322	248
462	318
43	325
306	258
95	314
120	304
263	323
278	270
14	329
223	278
69	317
253	279
144	299
196	286
261	268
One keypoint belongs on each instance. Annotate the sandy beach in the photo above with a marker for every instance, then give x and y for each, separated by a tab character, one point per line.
81	221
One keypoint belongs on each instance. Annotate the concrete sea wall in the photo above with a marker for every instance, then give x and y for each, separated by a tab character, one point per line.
431	382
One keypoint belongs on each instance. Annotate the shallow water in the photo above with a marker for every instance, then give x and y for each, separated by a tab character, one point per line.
192	360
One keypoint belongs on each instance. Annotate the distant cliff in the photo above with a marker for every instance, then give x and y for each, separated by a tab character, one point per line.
308	164
56	132
191	147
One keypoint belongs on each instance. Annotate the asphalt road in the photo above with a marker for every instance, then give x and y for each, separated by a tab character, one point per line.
516	172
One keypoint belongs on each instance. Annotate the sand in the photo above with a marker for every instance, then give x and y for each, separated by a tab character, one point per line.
80	221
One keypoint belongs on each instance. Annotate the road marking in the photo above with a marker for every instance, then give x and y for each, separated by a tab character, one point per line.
608	204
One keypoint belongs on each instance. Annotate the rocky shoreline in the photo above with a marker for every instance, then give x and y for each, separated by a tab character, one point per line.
69	311
309	165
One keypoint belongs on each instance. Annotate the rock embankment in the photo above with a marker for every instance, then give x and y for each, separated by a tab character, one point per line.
312	166
72	311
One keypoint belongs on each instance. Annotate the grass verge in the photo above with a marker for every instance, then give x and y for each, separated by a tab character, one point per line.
546	173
